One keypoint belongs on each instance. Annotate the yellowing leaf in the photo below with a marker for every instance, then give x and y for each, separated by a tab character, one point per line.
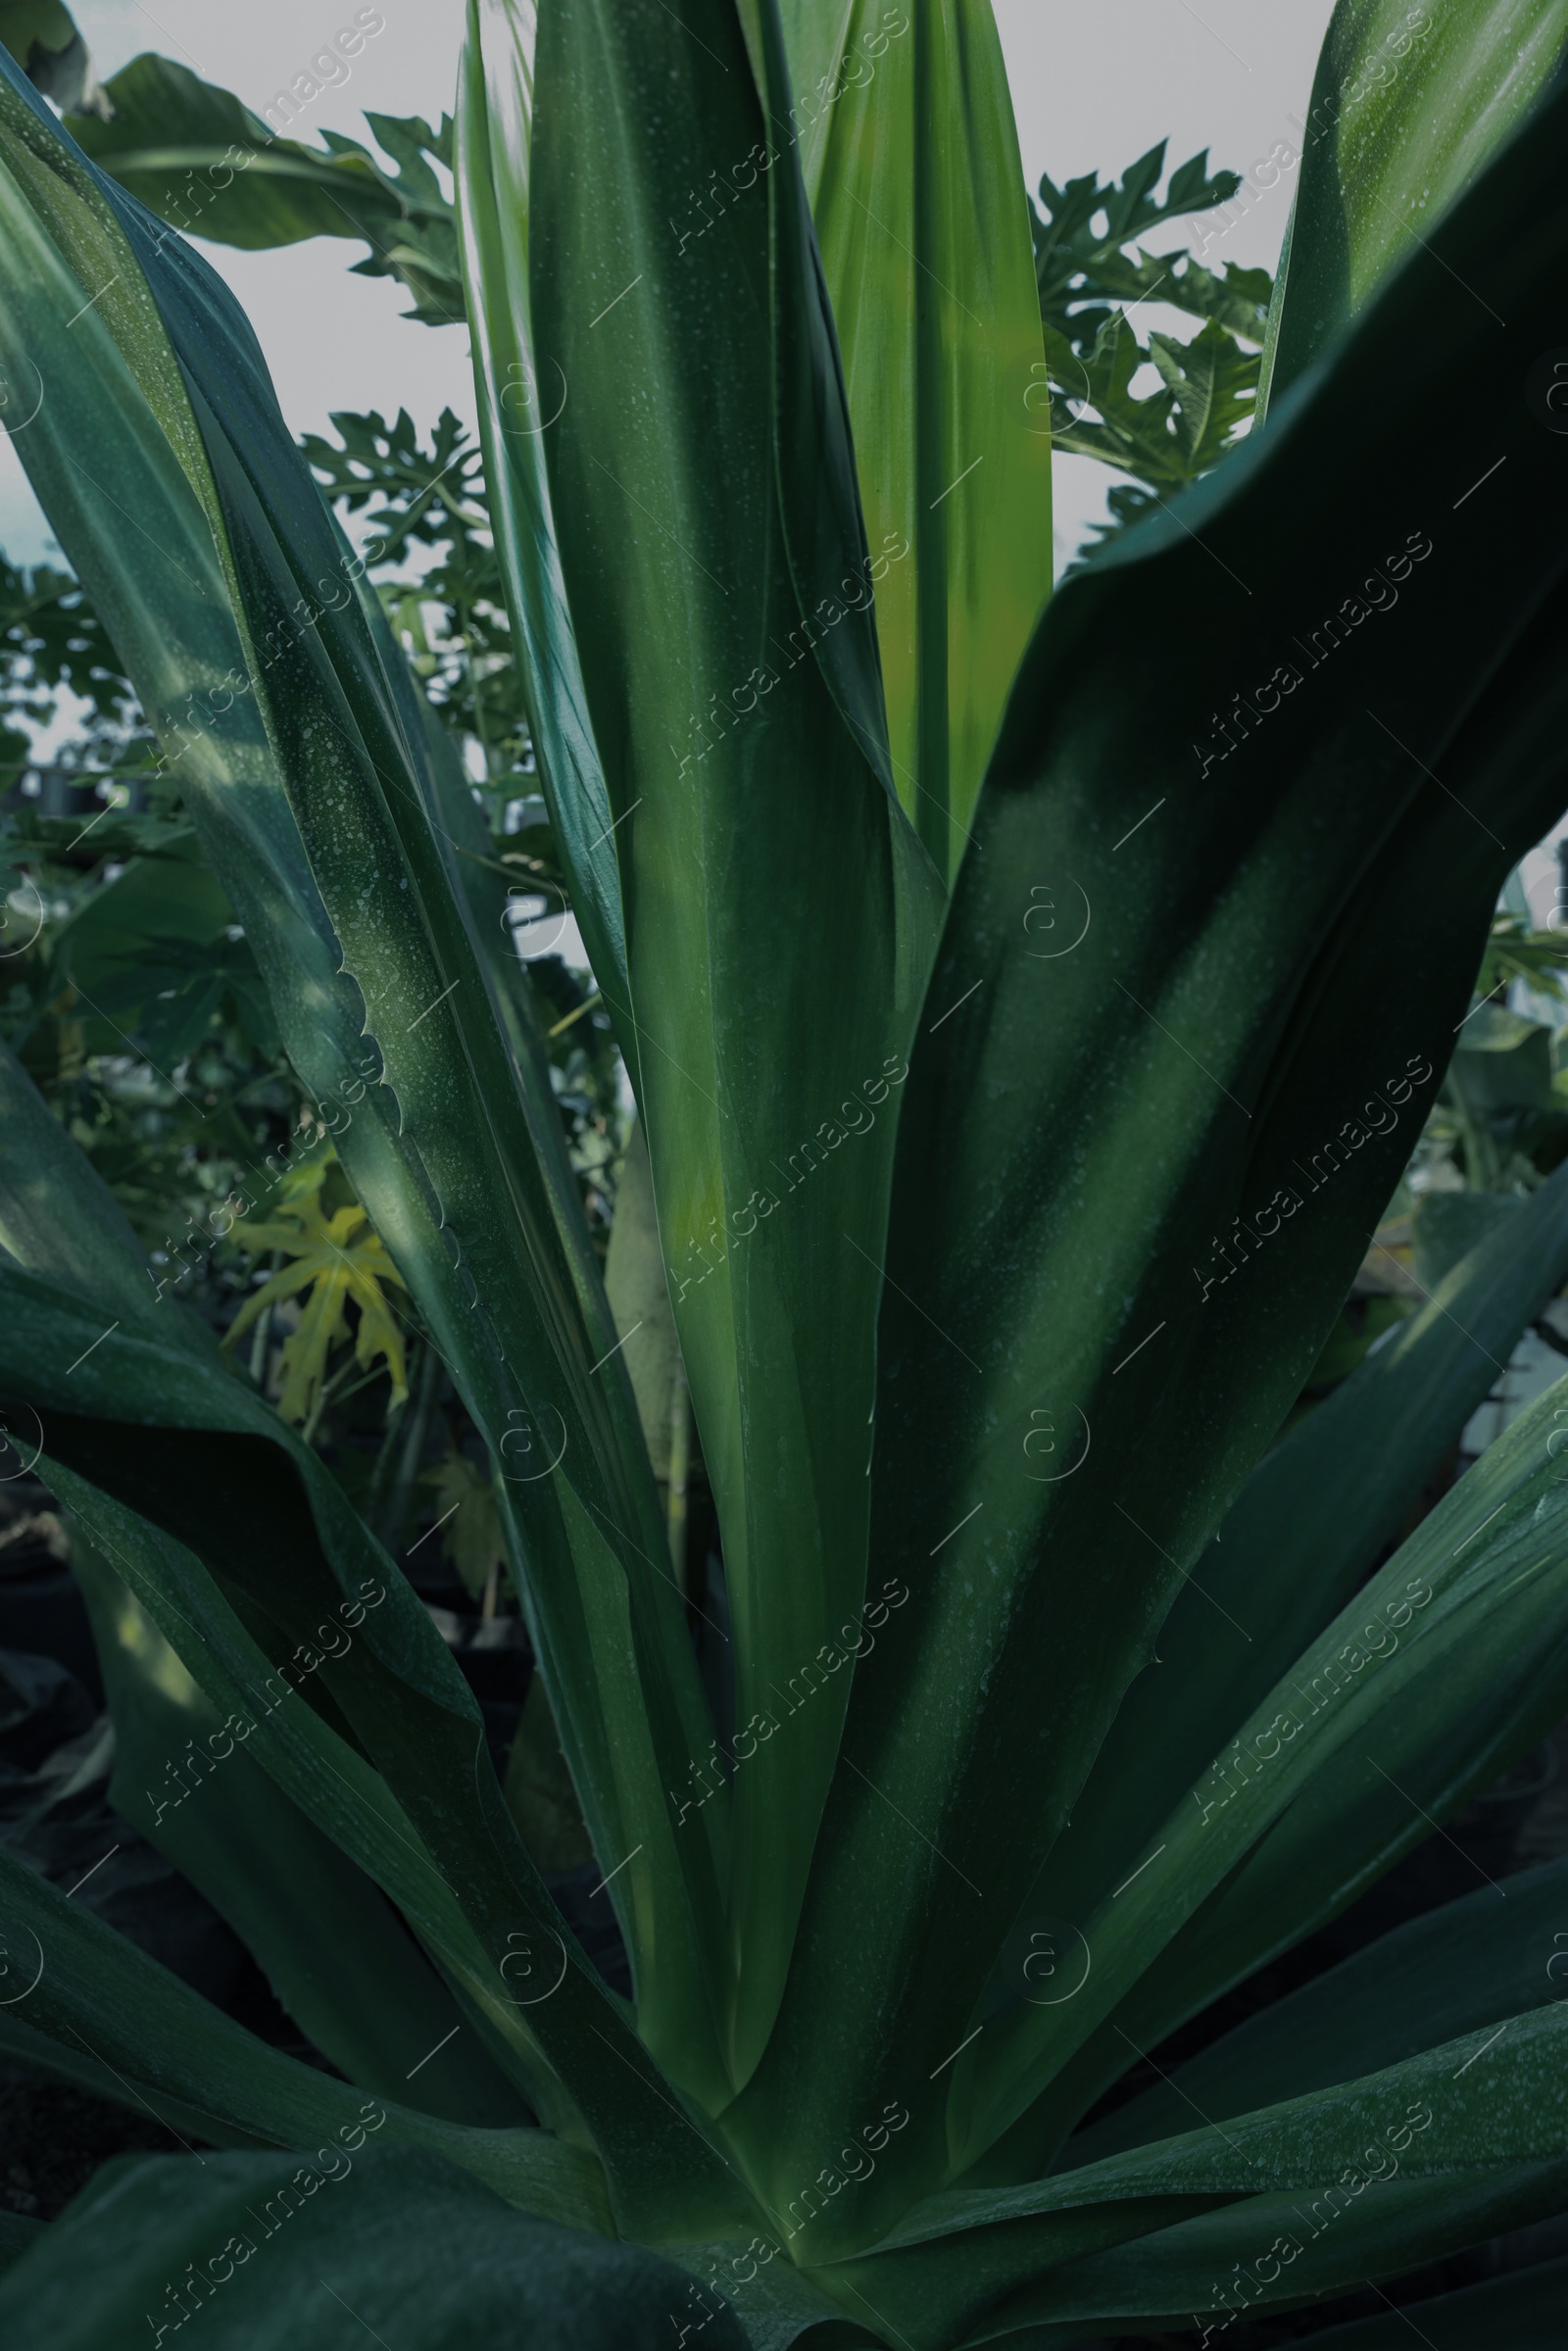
334	1258
472	1536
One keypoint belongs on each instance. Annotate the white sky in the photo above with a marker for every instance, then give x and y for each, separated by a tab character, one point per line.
1095	82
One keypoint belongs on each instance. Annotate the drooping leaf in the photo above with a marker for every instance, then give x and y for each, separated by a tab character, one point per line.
336	1954
1305	1531
271	1536
1224	2262
923	224
97	1995
951	2262
1453	1971
297	729
43	38
1477	1598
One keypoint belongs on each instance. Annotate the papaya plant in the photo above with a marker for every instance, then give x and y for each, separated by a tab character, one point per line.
1030	1009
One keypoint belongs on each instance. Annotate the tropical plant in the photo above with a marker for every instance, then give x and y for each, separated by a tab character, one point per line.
1092	274
1029	1019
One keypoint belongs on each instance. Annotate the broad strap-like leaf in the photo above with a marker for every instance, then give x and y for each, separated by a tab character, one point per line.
334	1949
1202	970
1279	2251
95	1993
306	2251
1408	104
302	758
1481	1587
282	1583
1453	1971
1481	2102
778	907
1305	1529
522	392
586	2075
904	125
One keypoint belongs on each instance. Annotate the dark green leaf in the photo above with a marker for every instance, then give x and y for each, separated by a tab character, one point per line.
1305	1530
1179	963
388	2243
778	907
1409	106
334	1950
1523	2310
384	994
1495	1954
93	1993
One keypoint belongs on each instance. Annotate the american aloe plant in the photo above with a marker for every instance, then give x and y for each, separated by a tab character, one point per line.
1029	1013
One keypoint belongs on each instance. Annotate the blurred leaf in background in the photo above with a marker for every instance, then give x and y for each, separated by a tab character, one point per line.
336	1258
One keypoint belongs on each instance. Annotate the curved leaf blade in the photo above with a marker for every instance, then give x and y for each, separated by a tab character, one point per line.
346	882
1408	104
1219	1042
1304	1529
333	1950
1448	1973
1482	1583
337	2236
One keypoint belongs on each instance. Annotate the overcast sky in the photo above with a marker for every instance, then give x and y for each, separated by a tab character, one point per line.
1095	82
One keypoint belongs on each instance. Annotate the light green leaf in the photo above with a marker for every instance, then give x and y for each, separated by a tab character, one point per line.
778	907
639	1300
472	1537
909	153
1409	106
338	1259
522	389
